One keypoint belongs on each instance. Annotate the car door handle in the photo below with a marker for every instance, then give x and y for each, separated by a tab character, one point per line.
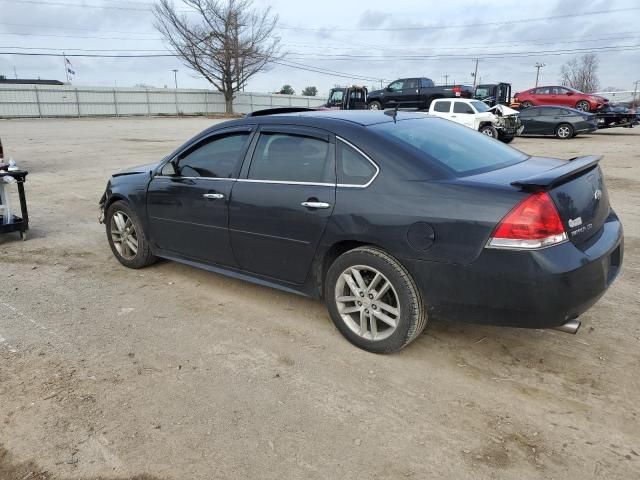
315	204
213	196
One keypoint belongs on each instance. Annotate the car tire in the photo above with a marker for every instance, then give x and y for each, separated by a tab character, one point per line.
526	104
564	131
506	139
375	105
126	236
354	298
583	105
489	131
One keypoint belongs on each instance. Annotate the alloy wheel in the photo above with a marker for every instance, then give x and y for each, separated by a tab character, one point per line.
584	106
373	106
564	131
487	132
123	235
367	302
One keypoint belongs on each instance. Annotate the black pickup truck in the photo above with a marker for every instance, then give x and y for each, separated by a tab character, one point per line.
414	93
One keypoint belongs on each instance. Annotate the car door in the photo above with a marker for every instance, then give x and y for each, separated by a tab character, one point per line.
187	200
393	94
528	118
548	119
543	95
410	93
564	97
281	204
463	114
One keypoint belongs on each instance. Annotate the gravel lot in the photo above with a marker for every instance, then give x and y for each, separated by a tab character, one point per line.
175	373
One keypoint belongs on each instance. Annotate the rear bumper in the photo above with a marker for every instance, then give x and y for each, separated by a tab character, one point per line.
538	289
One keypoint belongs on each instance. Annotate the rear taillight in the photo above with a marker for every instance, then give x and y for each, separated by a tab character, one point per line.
532	223
457	91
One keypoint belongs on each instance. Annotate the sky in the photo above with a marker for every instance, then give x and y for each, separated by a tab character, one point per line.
509	38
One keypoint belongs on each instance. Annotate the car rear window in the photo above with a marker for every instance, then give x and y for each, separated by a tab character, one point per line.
459	149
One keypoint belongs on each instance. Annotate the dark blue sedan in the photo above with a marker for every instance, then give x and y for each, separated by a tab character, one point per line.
392	218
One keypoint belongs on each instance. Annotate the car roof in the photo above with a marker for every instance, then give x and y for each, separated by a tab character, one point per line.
572	110
359	117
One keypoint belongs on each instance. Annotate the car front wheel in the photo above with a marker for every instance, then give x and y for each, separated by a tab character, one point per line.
489	131
126	237
374	301
583	105
375	106
526	104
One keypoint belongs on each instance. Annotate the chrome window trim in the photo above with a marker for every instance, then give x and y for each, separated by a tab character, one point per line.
286	182
375	175
196	178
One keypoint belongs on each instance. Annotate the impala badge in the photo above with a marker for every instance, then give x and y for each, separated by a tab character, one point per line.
575	222
597	194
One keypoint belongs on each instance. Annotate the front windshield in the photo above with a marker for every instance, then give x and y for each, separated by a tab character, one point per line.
479	106
459	149
336	96
482	93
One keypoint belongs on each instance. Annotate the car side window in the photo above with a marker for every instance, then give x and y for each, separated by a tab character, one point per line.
443	107
217	157
549	111
530	112
410	84
292	158
396	86
542	91
425	83
353	167
461	107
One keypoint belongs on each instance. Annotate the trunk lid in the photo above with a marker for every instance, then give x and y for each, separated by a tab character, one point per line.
583	204
576	186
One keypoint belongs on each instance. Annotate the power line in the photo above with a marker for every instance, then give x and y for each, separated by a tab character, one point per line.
370	58
65	27
78	36
148	8
84	5
461	25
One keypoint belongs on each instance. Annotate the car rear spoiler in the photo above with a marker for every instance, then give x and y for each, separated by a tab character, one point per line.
555	176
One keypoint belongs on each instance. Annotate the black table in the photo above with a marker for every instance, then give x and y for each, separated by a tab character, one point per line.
17	224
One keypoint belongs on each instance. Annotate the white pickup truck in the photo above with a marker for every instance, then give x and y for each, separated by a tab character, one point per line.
498	122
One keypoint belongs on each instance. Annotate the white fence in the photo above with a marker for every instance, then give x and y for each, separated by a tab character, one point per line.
17	101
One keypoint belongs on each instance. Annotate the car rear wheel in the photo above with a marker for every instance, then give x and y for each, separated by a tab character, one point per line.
374	301
375	106
126	237
526	104
564	131
583	105
489	131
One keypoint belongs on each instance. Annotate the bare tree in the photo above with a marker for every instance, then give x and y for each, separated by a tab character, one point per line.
227	42
581	73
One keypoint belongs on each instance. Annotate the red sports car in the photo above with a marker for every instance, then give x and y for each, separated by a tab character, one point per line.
565	96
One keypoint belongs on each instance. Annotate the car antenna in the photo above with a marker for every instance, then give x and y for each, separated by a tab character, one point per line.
392	113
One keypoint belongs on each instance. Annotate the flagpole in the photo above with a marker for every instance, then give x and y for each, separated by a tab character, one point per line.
66	69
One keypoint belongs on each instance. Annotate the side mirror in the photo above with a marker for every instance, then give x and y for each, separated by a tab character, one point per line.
388	89
569	93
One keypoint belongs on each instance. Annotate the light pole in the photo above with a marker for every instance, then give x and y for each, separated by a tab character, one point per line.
538	66
446	78
475	75
175	80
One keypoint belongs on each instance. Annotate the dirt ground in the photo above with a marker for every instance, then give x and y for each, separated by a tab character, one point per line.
175	373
